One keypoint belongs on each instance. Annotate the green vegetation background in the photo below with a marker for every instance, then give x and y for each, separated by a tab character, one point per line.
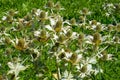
111	69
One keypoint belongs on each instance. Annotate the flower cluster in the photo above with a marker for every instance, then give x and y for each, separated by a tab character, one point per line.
62	49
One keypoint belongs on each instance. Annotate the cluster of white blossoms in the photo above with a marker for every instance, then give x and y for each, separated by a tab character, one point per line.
75	46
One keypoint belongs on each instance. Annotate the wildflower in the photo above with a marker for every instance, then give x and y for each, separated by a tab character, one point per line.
96	38
116	39
62	39
107	14
9	18
28	17
49	28
105	56
4	18
34	54
69	34
110	27
20	44
43	16
76	58
50	4
37	13
85	67
98	28
58	26
8	51
73	21
8	40
20	26
43	37
81	39
69	56
118	28
16	68
67	76
57	6
12	12
36	33
85	12
33	11
82	19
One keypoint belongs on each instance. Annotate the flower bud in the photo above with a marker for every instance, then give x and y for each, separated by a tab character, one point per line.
93	22
7	40
9	18
85	11
34	10
69	34
42	15
8	51
104	55
11	12
62	55
82	18
80	39
50	4
110	27
73	58
2	29
118	27
58	26
61	38
28	17
21	44
57	6
1	77
96	38
20	26
116	39
73	21
98	28
83	69
43	34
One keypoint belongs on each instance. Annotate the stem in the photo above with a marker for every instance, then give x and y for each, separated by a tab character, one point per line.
58	70
109	37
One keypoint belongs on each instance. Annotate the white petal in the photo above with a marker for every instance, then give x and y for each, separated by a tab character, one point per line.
52	22
10	72
36	33
11	65
49	27
89	67
93	60
4	18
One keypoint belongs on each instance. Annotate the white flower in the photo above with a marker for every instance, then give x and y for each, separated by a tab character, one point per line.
4	18
107	14
88	39
15	68
93	26
109	56
74	35
52	21
96	71
67	76
87	72
36	33
35	52
38	12
49	27
91	60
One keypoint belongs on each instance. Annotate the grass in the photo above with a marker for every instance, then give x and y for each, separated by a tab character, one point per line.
111	69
